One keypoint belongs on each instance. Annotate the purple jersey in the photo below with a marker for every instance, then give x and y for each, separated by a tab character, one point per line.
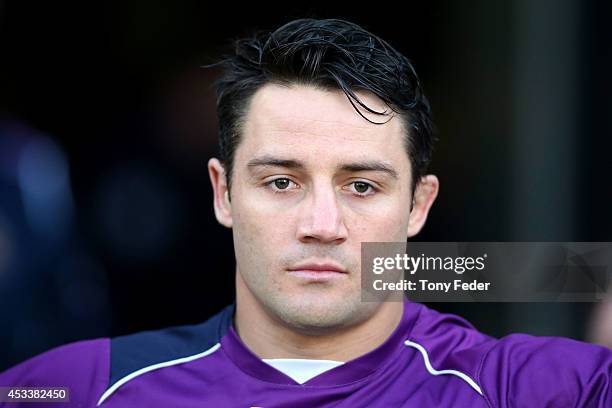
431	360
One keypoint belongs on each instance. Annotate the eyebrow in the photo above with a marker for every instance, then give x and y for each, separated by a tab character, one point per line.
367	165
275	162
370	165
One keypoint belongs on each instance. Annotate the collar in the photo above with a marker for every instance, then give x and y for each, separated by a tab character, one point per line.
348	372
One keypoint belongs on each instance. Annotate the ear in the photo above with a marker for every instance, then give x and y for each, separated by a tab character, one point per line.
221	200
424	195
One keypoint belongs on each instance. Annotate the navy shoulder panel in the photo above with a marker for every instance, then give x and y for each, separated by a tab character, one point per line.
135	351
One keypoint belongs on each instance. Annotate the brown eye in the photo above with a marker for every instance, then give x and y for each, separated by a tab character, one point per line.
282	183
361	187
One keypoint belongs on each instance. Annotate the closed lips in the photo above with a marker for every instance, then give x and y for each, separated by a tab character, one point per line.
318	268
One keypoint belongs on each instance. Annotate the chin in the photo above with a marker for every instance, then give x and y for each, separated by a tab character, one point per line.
319	314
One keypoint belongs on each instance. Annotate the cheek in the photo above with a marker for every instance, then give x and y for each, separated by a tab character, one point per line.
387	222
260	230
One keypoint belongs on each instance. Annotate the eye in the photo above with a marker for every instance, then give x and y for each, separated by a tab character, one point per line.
361	188
281	184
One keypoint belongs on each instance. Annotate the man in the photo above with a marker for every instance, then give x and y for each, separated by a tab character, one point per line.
325	140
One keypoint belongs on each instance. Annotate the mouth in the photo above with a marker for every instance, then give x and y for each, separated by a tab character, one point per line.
318	271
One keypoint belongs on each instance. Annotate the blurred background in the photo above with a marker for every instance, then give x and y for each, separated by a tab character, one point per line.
107	122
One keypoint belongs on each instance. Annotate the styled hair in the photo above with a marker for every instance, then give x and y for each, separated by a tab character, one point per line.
332	54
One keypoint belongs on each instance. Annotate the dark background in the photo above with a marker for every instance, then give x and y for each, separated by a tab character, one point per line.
107	121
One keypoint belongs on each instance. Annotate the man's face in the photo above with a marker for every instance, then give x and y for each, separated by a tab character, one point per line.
312	180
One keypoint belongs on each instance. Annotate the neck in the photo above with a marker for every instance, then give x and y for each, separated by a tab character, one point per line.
266	337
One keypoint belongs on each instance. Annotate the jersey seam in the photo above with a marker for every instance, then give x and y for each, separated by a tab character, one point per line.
478	376
151	368
107	384
459	374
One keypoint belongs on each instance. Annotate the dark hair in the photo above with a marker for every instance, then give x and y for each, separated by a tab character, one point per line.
330	54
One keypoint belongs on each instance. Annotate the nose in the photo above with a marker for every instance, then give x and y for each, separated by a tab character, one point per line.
321	219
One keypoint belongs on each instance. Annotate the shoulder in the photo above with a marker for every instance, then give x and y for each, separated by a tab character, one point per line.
450	339
448	345
550	371
81	366
140	353
93	369
518	369
145	349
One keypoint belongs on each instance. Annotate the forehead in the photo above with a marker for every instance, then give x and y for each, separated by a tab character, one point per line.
320	125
